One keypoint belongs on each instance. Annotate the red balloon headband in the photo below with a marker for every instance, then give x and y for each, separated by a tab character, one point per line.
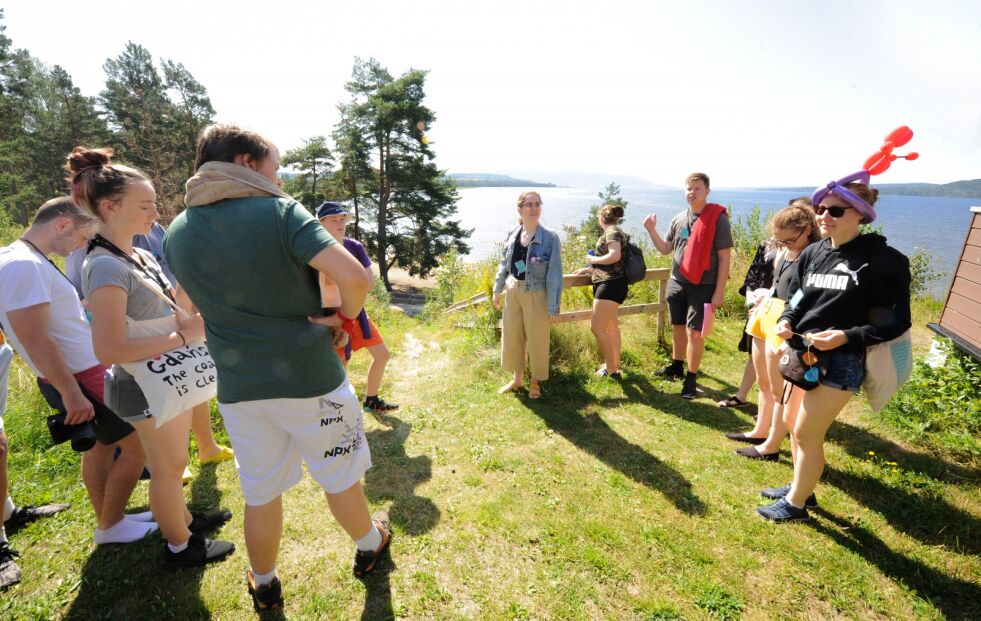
879	162
874	165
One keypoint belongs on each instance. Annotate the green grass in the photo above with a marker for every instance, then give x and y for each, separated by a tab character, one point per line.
600	501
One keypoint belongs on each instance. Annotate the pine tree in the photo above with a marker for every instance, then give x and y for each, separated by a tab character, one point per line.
314	161
413	203
145	122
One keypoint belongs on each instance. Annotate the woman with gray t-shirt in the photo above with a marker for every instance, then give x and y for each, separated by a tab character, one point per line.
119	282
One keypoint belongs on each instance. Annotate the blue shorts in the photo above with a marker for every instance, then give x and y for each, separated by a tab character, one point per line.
846	371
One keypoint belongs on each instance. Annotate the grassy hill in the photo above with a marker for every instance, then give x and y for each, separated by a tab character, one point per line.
603	500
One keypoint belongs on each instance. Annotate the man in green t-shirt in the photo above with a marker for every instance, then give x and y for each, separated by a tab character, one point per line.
248	256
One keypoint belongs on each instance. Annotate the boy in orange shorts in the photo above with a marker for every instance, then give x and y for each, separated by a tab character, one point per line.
334	218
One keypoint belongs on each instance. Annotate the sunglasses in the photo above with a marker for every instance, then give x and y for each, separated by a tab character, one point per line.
789	242
835	212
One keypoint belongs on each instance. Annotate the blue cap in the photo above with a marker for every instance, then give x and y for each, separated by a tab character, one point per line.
328	208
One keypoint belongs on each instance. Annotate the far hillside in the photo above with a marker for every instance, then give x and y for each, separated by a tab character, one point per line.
485	180
956	189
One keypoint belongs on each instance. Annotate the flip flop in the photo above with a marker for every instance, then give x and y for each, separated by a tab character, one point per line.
535	390
732	402
509	387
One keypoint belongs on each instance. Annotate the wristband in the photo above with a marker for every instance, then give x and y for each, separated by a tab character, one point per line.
347	324
183	340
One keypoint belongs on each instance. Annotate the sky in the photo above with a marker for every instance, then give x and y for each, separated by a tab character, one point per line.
755	93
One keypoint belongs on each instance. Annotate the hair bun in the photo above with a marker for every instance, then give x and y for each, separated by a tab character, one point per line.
617	212
82	158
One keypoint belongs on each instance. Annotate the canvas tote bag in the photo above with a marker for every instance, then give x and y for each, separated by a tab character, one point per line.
174	381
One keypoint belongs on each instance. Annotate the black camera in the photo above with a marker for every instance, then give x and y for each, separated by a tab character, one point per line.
82	436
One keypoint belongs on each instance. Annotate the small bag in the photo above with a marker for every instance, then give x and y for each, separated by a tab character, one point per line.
802	367
887	367
634	266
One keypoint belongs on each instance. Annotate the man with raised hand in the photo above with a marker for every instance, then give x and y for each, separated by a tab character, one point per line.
46	324
701	239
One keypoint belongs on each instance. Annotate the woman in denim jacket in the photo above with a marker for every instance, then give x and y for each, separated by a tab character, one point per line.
531	275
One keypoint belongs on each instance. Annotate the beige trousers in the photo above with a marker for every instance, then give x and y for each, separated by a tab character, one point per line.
525	333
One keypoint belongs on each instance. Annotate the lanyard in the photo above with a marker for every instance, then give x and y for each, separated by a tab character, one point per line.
38	250
102	242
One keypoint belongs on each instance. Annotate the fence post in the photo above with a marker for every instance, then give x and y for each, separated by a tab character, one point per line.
662	289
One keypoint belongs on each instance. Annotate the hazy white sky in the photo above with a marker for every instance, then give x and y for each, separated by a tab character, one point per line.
755	93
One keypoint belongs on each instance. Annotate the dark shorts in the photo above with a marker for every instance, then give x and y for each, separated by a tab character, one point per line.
686	303
109	428
613	290
846	371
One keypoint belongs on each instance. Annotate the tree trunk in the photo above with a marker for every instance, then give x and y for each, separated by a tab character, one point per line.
383	194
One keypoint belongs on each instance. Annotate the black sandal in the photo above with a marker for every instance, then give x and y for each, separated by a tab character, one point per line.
732	402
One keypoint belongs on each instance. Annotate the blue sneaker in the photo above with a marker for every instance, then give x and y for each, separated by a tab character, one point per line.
781	492
783	511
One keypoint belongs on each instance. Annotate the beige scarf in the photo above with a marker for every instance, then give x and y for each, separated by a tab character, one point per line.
215	181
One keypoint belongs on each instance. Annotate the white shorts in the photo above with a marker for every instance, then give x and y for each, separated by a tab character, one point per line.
271	437
6	357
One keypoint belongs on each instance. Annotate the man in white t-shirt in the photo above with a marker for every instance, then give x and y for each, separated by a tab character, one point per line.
45	323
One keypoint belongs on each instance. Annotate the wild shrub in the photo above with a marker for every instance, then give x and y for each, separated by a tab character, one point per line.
940	408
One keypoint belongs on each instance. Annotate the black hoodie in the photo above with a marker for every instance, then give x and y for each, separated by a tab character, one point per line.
861	287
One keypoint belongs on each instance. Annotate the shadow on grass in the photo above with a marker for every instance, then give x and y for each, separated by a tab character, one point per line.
591	434
130	582
378	591
928	518
204	488
955	598
857	442
666	397
395	476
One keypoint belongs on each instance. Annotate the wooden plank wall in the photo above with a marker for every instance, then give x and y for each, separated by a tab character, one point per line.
962	312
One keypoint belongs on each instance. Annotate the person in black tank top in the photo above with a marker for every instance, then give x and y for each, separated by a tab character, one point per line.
792	229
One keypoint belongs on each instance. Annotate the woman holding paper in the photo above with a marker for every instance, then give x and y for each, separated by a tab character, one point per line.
126	285
793	228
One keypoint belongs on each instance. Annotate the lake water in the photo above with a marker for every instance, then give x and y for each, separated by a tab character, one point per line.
938	225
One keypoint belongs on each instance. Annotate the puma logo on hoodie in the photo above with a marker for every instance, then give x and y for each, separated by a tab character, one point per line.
835	281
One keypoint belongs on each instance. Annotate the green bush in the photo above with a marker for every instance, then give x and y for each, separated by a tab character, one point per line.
940	408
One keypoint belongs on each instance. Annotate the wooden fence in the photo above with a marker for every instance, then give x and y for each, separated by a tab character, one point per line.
573	280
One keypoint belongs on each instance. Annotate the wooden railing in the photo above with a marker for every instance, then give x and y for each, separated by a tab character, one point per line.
573	280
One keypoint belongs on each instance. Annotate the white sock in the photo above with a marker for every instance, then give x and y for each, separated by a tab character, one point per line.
371	541
180	548
3	535
143	516
8	508
261	579
124	531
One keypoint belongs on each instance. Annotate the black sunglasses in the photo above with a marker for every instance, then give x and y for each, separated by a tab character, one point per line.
836	212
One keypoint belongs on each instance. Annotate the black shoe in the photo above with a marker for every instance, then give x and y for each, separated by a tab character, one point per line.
671	371
783	511
752	453
266	597
364	562
9	571
374	404
29	513
689	390
199	552
781	492
208	522
742	437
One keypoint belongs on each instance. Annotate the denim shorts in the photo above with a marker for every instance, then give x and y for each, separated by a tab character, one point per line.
846	371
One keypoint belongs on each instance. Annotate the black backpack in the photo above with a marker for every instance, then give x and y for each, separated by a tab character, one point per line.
634	267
